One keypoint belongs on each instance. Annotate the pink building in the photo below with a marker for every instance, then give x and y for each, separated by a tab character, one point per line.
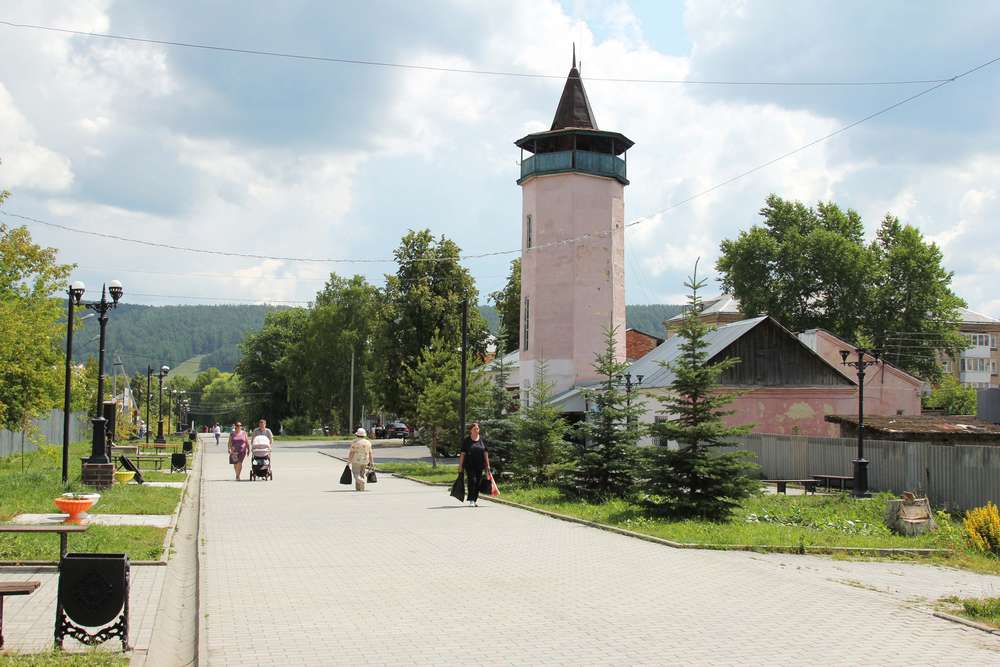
572	242
790	383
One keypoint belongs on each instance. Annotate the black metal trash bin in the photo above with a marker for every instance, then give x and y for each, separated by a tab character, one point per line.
188	447
93	593
178	462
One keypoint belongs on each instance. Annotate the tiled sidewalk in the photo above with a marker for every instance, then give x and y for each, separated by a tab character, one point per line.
302	570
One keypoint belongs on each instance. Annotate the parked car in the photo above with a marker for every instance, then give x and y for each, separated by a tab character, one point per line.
397	430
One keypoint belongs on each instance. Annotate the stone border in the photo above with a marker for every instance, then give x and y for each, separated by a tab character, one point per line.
789	549
967	622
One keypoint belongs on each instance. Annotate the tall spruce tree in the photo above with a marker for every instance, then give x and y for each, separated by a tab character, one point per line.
695	481
540	433
497	424
607	458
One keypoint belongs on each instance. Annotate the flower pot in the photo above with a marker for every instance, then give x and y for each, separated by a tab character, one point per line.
75	506
124	476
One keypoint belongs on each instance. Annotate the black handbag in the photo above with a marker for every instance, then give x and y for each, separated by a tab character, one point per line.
371	477
485	485
347	477
458	488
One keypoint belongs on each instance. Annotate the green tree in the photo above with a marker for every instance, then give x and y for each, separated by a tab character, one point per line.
695	481
810	268
32	328
344	319
914	315
607	459
423	299
498	426
539	433
223	400
508	304
265	368
435	381
952	397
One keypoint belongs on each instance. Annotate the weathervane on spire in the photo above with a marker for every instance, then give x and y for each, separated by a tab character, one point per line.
574	55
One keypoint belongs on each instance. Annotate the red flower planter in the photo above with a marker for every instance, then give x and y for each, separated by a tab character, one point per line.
74	507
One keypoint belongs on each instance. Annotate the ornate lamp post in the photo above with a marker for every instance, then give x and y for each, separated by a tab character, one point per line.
860	486
99	453
628	391
75	293
160	440
149	397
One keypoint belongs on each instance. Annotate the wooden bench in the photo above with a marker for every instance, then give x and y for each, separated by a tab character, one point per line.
808	484
157	459
14	588
62	529
843	481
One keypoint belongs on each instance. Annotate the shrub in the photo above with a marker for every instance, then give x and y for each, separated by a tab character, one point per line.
300	425
982	528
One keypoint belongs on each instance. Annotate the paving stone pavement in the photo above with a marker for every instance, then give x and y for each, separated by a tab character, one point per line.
302	570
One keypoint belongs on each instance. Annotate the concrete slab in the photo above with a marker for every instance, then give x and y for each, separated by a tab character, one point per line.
155	520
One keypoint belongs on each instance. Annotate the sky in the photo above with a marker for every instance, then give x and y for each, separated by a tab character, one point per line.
243	153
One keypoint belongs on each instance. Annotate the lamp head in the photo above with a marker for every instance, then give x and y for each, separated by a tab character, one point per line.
164	369
76	291
843	356
638	379
116	290
877	354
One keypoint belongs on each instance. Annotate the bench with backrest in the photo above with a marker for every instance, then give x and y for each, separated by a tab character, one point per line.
808	484
14	588
842	481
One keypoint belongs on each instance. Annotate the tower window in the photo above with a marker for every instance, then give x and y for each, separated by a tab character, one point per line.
529	230
527	319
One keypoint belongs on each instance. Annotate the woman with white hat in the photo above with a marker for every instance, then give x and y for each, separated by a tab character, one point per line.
360	457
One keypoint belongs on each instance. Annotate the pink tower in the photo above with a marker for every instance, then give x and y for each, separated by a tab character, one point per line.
572	241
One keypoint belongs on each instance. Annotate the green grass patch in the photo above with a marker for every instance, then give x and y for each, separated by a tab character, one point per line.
312	438
189	368
139	542
162	476
92	658
443	473
765	520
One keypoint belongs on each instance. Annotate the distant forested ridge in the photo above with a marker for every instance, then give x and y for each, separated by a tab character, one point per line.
648	317
158	335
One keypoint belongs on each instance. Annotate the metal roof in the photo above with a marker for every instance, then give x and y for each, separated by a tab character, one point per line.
724	303
972	317
656	375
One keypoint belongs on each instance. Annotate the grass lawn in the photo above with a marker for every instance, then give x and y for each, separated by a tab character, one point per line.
34	490
319	438
984	610
163	476
92	658
764	520
444	473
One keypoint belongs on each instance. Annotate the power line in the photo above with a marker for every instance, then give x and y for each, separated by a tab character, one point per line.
457	70
497	253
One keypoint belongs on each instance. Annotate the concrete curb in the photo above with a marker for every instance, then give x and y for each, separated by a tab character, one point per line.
965	621
785	549
201	647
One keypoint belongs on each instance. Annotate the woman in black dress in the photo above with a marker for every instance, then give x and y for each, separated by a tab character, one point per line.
474	460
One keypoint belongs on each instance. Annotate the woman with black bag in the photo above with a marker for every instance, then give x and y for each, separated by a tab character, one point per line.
474	461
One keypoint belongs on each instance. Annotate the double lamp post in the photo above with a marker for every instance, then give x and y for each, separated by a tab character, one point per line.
860	484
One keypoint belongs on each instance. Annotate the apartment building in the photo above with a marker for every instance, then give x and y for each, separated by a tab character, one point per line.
977	364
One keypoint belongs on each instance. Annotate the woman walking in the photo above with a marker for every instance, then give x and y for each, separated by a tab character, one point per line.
474	459
360	457
238	447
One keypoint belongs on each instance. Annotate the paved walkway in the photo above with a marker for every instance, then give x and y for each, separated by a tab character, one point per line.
302	570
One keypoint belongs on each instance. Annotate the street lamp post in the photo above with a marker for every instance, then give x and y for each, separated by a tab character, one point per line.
860	486
628	395
149	397
160	440
75	293
99	452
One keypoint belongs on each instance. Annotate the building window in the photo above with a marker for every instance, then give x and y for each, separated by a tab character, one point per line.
977	365
993	341
993	368
982	340
527	321
946	366
529	230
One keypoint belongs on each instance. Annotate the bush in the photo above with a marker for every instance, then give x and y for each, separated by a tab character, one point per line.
300	425
982	528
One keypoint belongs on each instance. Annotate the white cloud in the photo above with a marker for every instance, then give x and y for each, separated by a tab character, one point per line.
26	164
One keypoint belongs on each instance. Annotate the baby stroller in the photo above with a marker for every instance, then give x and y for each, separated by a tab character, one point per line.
260	459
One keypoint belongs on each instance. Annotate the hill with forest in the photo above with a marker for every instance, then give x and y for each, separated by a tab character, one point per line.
203	336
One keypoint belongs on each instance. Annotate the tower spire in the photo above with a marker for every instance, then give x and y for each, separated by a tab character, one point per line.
574	55
574	107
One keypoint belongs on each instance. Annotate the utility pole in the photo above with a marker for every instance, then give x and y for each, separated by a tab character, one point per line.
465	354
350	423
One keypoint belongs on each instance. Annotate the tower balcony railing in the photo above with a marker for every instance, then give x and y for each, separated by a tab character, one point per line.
601	164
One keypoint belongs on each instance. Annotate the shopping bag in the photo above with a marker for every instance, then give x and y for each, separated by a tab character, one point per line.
458	488
371	477
485	484
494	491
347	477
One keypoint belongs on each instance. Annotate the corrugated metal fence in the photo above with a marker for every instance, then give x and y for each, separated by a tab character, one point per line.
952	476
49	427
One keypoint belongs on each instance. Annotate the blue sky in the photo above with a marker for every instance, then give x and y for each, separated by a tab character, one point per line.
302	159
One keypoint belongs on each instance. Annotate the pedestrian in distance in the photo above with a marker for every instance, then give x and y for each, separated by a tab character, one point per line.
360	458
262	429
217	430
238	447
475	461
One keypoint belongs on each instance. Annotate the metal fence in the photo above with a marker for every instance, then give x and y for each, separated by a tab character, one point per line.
952	476
49	428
